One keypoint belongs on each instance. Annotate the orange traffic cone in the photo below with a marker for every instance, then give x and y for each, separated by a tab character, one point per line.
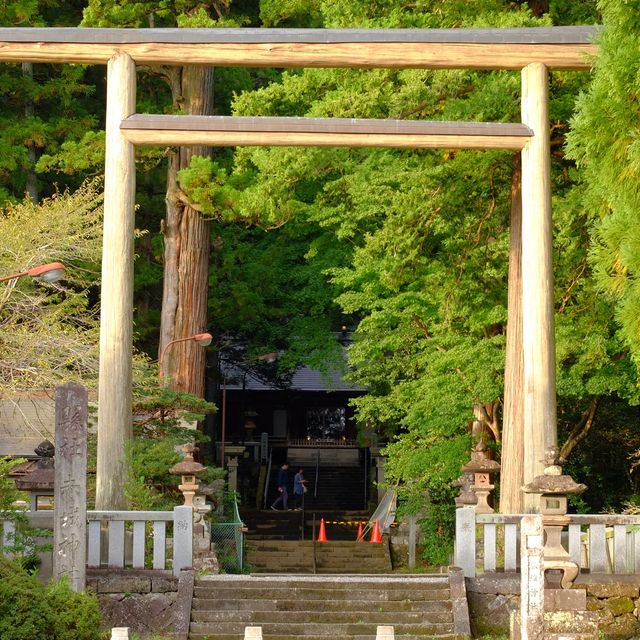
359	536
375	534
322	534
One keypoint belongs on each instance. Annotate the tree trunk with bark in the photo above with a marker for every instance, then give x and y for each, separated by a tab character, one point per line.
512	470
187	246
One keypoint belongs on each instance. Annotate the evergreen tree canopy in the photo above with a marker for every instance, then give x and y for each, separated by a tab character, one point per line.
604	142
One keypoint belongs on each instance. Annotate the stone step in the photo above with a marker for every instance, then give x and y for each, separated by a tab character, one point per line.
327	630
308	593
388	606
313	607
297	569
341	557
571	636
359	636
319	616
344	583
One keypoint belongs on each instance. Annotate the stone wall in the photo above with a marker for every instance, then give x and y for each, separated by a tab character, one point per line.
144	601
615	600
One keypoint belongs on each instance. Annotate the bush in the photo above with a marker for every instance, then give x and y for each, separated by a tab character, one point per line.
31	611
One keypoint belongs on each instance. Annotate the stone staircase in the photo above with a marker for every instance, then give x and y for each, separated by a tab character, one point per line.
339	487
301	525
339	557
323	608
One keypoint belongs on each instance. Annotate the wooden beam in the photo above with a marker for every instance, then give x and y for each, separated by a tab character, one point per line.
556	47
341	132
538	336
289	55
116	302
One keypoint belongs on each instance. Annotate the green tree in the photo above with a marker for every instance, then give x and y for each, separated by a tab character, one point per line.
49	332
604	142
186	233
41	105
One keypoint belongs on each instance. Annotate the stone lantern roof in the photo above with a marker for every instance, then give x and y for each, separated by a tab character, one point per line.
561	484
480	461
553	481
40	475
188	466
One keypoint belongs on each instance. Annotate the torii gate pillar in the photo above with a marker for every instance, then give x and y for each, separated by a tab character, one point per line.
538	335
116	304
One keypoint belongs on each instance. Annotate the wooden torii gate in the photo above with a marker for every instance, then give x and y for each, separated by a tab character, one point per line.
533	51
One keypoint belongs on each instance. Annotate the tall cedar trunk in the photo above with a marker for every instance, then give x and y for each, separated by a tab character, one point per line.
512	471
538	7
186	255
31	188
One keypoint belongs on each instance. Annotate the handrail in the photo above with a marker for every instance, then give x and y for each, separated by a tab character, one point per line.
266	479
315	484
366	477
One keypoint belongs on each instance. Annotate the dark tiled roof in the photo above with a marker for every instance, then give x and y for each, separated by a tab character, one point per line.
303	379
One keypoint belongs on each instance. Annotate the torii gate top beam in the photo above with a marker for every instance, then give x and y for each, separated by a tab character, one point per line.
555	47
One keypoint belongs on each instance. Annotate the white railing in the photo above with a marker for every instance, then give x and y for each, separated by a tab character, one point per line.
119	539
37	519
607	543
113	545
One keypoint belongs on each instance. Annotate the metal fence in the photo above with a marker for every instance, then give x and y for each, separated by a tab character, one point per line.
228	541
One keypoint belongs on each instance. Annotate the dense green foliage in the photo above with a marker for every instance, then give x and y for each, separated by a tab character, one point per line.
21	544
49	332
164	423
41	106
30	610
604	141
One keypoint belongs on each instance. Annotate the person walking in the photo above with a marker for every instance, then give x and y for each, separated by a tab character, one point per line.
283	483
299	489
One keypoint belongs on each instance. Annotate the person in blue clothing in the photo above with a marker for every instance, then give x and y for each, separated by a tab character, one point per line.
299	489
283	483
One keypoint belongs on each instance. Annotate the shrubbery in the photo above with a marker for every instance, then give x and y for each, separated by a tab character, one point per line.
32	611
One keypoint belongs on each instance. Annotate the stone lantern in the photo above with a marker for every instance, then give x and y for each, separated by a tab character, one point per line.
482	467
553	488
188	469
466	497
38	481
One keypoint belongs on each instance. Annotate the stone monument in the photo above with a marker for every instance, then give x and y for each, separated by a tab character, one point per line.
70	492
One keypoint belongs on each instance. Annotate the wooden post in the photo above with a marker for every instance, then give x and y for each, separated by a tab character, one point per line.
538	340
116	305
70	515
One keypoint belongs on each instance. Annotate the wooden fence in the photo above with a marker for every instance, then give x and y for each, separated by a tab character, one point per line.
607	543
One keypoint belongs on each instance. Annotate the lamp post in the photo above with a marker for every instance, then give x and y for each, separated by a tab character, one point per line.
203	339
50	272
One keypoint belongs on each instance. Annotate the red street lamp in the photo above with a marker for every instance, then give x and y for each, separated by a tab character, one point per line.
203	339
46	272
